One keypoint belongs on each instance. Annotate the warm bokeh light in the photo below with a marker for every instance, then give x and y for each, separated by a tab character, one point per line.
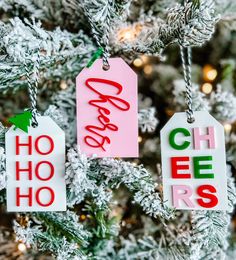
148	69
141	61
82	217
227	128
21	247
129	33
209	73
63	84
138	62
144	58
140	139
207	88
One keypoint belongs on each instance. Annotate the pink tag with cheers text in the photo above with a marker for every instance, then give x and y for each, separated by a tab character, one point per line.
107	116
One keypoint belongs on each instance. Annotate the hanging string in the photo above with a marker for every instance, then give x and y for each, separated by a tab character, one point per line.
186	57
102	41
33	88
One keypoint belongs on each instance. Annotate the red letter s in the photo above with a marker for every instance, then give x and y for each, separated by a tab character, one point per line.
207	195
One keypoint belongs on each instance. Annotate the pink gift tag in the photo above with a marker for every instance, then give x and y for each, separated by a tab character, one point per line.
107	116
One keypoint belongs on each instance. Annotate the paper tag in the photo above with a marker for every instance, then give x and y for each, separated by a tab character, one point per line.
35	166
107	116
193	163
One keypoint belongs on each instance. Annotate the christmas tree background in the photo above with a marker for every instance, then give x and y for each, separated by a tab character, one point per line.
115	206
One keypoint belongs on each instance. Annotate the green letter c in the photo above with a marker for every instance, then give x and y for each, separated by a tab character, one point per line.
172	135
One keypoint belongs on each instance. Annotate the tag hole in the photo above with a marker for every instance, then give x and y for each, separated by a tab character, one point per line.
191	120
106	67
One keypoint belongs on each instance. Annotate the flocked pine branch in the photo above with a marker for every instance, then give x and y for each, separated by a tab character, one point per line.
62	13
211	228
100	10
191	24
231	190
62	54
2	134
64	224
210	232
104	228
206	238
226	8
80	185
84	175
63	236
147	119
3	177
65	13
15	7
149	248
61	117
146	248
223	105
200	102
59	233
60	247
231	149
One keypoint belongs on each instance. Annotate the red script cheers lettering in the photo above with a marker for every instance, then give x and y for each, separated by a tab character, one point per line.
96	139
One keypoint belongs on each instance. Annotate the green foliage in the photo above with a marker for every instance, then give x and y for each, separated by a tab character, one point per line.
103	229
65	224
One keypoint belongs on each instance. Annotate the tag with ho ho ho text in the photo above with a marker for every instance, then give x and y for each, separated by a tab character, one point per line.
35	166
107	116
194	163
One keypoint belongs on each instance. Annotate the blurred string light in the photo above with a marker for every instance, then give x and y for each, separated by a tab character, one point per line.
82	217
148	69
209	73
21	247
129	34
63	84
207	88
140	139
135	162
227	128
145	58
140	61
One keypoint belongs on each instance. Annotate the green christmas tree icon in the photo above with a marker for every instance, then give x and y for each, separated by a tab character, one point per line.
21	121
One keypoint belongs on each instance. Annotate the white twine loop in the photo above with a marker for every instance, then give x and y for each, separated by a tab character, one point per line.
186	57
33	89
102	41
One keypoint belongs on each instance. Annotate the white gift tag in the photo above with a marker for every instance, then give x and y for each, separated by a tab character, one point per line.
193	163
35	165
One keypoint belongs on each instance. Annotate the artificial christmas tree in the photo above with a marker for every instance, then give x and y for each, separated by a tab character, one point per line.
115	207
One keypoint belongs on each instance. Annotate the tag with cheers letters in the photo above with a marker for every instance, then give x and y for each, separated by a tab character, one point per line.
107	123
35	165
193	163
